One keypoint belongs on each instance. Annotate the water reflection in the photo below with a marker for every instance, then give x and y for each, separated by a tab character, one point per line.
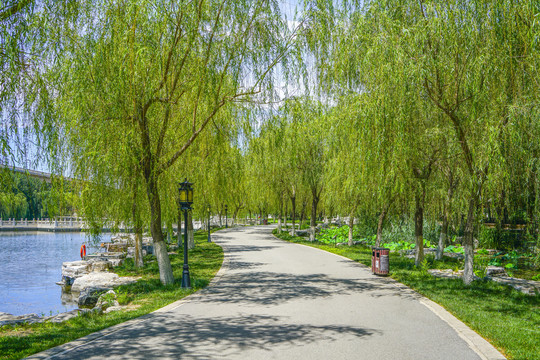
30	266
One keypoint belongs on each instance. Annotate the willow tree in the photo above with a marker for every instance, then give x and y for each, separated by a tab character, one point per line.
158	74
464	40
31	34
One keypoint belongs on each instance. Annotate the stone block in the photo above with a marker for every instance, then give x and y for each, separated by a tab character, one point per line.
100	265
113	308
90	296
495	271
101	280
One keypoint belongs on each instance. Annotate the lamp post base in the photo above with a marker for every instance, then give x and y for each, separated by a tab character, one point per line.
186	281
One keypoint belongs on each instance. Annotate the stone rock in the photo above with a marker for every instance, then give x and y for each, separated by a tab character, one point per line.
107	300
148	247
302	233
116	262
131	251
65	316
100	280
529	287
8	319
96	310
100	265
449	273
322	226
90	296
113	308
454	255
445	273
75	269
495	271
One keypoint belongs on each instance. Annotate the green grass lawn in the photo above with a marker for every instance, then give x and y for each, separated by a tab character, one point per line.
505	317
143	297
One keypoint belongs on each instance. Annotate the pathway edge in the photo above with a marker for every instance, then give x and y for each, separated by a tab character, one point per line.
71	345
477	343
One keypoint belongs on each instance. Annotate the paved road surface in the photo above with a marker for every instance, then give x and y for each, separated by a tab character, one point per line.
277	300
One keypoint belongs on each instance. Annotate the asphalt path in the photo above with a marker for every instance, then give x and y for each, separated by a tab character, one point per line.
277	300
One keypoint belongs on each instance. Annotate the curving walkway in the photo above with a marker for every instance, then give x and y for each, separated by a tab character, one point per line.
277	300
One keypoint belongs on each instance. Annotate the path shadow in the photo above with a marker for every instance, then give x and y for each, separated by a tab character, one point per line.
270	288
179	336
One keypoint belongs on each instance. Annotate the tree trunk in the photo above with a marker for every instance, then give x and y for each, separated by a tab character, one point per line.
190	232
468	243
293	204
280	215
160	248
444	235
138	257
312	221
419	228
235	215
443	239
351	224
380	223
286	212
303	214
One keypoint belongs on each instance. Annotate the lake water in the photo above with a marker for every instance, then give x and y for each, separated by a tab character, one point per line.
30	266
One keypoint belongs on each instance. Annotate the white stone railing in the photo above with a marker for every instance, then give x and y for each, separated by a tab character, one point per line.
45	224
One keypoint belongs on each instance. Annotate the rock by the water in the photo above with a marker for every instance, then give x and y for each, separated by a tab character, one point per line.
100	280
65	316
75	269
101	265
72	270
8	319
90	296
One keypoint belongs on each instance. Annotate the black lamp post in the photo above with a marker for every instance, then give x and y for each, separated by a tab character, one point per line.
208	209
185	200
226	220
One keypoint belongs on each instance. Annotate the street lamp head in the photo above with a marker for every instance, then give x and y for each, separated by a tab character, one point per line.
225	207
185	192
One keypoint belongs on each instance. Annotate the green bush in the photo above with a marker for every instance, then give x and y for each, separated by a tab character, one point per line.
454	249
333	235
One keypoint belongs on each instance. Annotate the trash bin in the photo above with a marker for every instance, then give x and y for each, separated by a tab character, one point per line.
265	222
380	263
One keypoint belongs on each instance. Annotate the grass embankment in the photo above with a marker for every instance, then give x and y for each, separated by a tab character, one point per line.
143	297
507	318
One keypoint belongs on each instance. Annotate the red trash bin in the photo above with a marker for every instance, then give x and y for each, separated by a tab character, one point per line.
380	261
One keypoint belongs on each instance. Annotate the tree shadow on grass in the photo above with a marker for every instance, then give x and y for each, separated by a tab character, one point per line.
178	336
